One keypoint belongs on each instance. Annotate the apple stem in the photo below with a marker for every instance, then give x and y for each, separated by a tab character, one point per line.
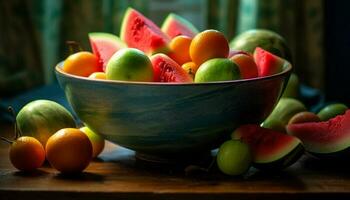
73	47
17	131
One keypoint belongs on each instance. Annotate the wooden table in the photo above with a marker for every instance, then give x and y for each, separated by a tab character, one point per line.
118	175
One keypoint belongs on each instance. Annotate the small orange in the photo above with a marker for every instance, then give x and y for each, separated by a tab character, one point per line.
207	45
98	75
69	150
246	65
27	153
97	141
81	64
180	46
190	68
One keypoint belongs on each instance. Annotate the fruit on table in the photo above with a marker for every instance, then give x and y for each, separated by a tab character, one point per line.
42	118
217	69
104	45
331	111
191	68
285	109
271	150
234	157
267	63
98	142
167	70
246	65
292	88
129	64
266	39
179	49
139	32
327	139
81	64
98	75
69	150
207	45
303	117
175	25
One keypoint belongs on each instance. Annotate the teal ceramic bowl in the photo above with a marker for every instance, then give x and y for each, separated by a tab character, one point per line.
168	118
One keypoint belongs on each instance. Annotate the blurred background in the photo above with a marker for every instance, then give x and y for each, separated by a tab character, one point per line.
33	34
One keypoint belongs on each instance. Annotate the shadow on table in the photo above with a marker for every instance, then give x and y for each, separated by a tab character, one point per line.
83	176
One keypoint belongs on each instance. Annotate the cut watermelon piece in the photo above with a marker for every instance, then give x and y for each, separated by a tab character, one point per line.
175	25
323	138
104	45
271	149
167	70
268	63
139	32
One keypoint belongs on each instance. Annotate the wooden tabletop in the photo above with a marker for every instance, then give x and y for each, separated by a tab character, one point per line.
118	175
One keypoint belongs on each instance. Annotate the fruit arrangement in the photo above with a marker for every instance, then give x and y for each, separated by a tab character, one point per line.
177	53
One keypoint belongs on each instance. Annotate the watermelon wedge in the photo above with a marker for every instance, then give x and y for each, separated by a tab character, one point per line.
139	32
175	25
268	63
104	45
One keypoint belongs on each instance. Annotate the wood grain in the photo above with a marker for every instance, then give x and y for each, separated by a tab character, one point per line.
118	175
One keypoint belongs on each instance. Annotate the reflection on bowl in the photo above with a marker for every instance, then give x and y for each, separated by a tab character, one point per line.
168	118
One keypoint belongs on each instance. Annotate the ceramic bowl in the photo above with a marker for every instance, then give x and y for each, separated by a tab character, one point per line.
167	118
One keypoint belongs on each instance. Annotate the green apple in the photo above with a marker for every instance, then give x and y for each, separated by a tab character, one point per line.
129	64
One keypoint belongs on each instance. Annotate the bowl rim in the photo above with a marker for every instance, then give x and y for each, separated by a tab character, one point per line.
287	68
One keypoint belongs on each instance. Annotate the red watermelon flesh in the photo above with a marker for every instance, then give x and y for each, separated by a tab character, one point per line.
324	137
104	45
267	145
139	32
175	25
268	63
167	70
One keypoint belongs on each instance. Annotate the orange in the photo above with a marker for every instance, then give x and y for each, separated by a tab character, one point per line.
180	46
98	142
27	153
207	45
98	75
190	68
69	150
81	64
246	65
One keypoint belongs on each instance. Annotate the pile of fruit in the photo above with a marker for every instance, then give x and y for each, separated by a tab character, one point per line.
176	52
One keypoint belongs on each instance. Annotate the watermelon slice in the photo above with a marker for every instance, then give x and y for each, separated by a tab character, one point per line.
104	45
268	63
175	25
139	32
167	70
330	138
271	149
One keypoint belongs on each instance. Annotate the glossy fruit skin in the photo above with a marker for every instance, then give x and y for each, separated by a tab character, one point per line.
81	64
98	75
27	153
331	111
217	69
246	65
42	118
130	64
234	157
207	45
98	142
180	47
303	117
191	68
69	150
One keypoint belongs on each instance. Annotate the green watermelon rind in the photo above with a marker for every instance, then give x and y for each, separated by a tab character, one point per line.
107	37
173	16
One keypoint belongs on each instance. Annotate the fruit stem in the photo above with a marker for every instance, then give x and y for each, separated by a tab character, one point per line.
73	47
6	140
17	131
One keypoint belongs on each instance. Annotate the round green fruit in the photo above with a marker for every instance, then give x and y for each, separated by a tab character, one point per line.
234	157
98	142
266	39
129	64
42	118
331	111
217	69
